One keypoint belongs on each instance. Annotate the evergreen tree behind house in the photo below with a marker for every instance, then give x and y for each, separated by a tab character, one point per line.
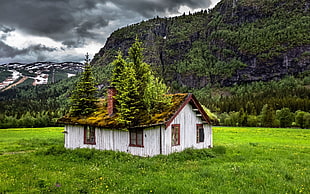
83	99
139	92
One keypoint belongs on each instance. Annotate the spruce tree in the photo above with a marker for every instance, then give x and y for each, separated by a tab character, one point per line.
138	91
142	72
154	94
128	106
118	67
83	99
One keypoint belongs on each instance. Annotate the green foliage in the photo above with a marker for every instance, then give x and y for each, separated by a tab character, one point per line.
213	117
201	61
128	98
285	117
83	99
268	116
117	71
31	119
154	95
42	101
307	120
299	119
290	92
139	92
302	119
215	44
4	74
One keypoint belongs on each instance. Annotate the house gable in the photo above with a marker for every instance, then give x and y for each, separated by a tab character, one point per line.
191	99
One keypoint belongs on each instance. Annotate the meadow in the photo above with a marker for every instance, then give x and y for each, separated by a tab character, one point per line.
243	160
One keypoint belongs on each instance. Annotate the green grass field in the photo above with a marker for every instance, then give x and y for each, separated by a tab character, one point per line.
243	160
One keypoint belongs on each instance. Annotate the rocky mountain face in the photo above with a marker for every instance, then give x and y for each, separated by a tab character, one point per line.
238	41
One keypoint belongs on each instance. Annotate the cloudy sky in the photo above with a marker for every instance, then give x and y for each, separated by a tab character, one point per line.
64	30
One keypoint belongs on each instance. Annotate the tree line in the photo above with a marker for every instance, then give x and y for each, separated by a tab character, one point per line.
286	103
268	117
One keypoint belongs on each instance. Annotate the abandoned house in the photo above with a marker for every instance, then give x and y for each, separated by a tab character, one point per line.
183	125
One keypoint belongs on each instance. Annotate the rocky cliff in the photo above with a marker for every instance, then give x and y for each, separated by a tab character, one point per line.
238	41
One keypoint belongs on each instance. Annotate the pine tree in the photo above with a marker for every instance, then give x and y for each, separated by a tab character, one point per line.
138	91
127	94
118	67
154	94
142	70
83	100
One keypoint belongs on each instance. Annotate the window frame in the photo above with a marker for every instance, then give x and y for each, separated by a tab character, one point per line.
200	133
89	135
134	136
175	132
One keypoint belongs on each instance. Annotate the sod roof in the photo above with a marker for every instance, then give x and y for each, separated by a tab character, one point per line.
101	118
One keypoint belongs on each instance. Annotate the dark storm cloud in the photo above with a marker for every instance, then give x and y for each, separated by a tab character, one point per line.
151	7
8	51
6	29
75	23
60	19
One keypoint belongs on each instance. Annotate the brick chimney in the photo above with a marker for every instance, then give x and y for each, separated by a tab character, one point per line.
111	100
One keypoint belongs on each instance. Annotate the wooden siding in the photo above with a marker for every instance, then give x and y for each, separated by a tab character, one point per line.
157	140
188	120
114	140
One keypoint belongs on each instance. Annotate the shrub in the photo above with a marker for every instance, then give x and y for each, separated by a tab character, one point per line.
285	117
54	150
192	154
219	150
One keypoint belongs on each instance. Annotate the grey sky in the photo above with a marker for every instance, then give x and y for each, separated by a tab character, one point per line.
64	30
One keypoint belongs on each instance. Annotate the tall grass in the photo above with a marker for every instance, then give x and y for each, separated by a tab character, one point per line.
243	160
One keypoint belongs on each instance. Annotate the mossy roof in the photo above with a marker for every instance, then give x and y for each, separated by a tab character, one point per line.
101	118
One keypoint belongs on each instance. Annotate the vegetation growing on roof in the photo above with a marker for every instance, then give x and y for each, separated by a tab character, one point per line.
139	92
101	118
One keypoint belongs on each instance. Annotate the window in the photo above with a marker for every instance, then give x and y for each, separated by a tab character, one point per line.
136	137
175	134
89	135
200	133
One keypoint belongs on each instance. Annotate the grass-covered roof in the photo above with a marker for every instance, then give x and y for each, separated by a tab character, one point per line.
101	118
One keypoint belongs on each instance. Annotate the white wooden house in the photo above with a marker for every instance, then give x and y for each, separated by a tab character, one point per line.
184	125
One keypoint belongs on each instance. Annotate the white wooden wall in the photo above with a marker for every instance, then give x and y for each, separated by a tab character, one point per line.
187	119
114	140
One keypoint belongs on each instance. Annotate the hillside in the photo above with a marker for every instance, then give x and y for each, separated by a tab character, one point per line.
38	73
238	41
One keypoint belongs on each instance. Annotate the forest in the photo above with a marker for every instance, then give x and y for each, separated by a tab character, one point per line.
282	103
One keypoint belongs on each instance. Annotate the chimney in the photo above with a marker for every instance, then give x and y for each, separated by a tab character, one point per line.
111	100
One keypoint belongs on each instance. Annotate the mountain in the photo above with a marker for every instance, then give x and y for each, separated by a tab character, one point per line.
238	41
38	73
